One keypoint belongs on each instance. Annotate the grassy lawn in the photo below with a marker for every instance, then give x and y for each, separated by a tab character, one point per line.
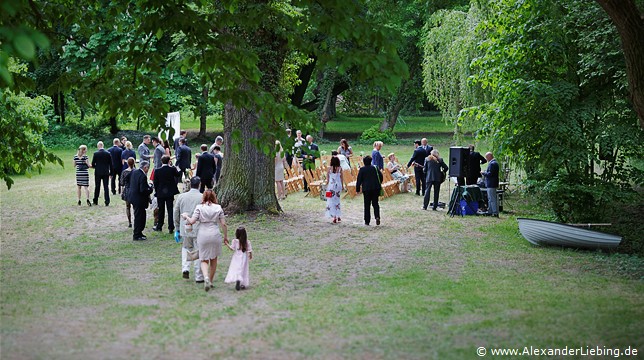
343	124
420	286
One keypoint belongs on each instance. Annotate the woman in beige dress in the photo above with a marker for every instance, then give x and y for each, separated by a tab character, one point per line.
211	218
280	165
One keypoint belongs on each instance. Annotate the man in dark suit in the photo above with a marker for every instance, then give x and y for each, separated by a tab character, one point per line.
417	160
139	196
117	164
165	186
102	164
425	145
491	184
206	168
369	183
309	152
184	156
474	166
177	141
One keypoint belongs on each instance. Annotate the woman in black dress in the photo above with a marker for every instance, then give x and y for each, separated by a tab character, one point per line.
82	173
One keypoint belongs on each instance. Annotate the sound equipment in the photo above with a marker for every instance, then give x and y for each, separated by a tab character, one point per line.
458	161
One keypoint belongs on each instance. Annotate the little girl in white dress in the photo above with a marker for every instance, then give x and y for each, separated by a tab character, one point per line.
242	253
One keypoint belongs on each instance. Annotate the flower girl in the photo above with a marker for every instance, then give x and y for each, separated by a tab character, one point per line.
243	252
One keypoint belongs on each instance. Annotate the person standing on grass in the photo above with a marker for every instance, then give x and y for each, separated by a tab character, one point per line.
165	187
184	157
369	183
144	151
242	253
117	164
127	153
123	141
474	166
417	161
346	150
139	196
124	182
159	151
219	161
187	203
334	188
289	148
428	148
211	218
102	164
491	184
177	141
280	165
82	173
433	177
309	153
377	159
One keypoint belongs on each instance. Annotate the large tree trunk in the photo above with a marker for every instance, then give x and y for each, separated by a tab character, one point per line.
114	128
54	100
203	112
304	75
397	103
62	108
248	175
630	25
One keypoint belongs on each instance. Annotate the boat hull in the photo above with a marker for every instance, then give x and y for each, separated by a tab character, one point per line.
540	232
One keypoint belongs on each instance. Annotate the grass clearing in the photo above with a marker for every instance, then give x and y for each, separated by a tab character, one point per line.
422	285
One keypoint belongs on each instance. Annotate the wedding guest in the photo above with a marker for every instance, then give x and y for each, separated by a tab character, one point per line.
206	167
102	164
433	177
159	151
378	161
280	165
139	196
219	160
395	169
289	148
369	183
82	173
184	156
124	181
117	164
187	203
127	153
143	150
417	161
182	135
123	141
346	150
334	188
211	218
165	187
309	153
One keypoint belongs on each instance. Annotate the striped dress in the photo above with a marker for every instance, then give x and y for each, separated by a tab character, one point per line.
82	170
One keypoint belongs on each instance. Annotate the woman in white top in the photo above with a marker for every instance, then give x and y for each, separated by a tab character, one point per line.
346	150
394	169
280	165
334	188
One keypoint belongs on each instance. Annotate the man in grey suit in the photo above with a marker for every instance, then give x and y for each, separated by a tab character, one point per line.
159	151
143	150
186	203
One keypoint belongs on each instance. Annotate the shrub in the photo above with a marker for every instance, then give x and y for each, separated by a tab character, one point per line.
374	134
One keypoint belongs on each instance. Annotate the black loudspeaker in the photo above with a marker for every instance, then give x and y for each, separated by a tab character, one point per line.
458	157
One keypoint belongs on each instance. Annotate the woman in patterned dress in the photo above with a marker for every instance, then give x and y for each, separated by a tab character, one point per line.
82	173
334	186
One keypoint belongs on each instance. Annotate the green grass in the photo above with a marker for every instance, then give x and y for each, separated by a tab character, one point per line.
414	124
420	286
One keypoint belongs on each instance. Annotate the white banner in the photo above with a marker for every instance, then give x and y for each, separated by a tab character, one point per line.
173	121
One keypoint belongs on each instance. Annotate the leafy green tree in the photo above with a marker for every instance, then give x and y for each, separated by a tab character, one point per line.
557	83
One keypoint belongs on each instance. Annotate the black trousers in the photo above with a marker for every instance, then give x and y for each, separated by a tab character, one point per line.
114	182
165	204
205	183
437	190
471	180
97	187
420	180
371	199
139	221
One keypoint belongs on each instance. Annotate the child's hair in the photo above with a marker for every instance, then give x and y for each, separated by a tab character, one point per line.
240	234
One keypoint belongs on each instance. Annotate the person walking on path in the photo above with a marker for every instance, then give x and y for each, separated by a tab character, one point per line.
187	203
334	188
369	183
124	182
211	218
165	188
82	173
242	253
117	164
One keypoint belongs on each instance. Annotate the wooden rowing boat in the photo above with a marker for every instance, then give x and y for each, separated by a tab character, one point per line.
540	232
